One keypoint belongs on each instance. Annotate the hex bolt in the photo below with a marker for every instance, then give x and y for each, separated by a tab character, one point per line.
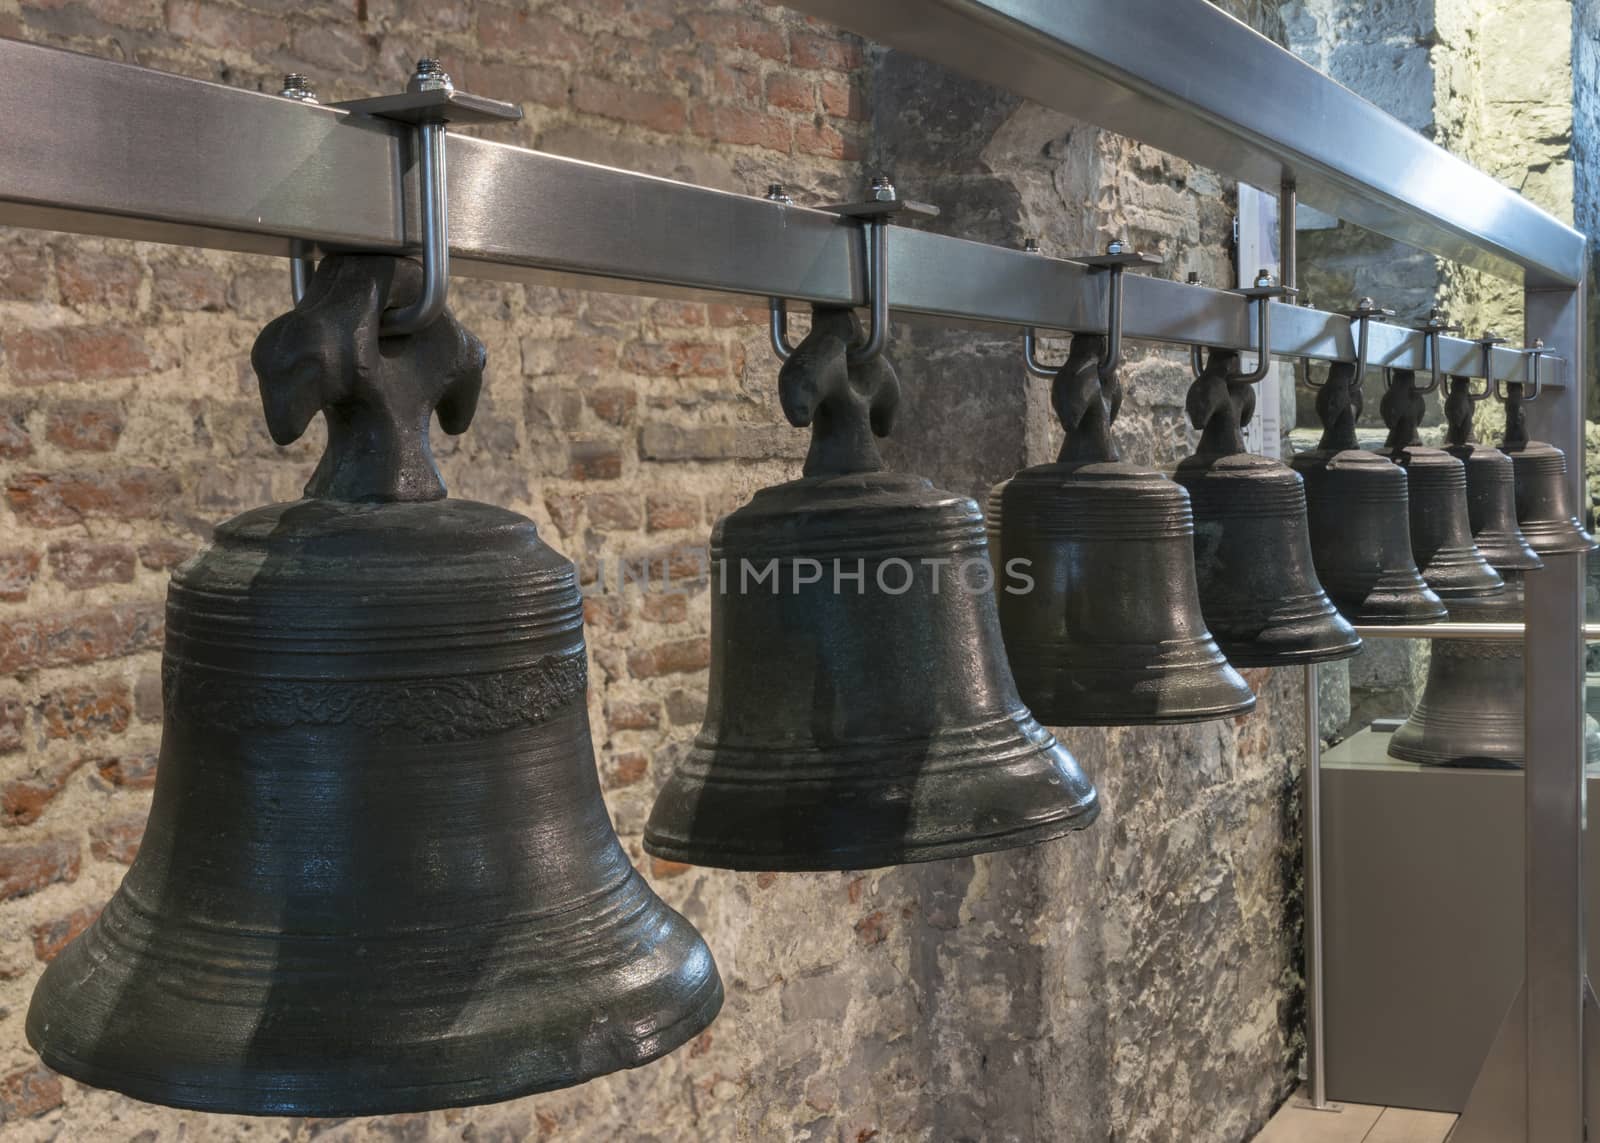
1263	278
883	189
430	76
1116	246
1030	245
776	193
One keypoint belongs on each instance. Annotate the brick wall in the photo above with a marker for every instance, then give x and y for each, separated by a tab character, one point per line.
1137	982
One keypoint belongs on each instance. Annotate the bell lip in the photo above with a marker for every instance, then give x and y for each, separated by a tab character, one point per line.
209	1096
1387	618
1244	654
1082	815
1560	540
1045	712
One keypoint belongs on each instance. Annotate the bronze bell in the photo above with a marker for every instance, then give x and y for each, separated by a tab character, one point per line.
1471	709
1491	486
1441	531
861	712
1258	589
378	875
1112	632
1544	503
1356	503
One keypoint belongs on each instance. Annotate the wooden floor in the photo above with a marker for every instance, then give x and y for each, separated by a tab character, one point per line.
1296	1122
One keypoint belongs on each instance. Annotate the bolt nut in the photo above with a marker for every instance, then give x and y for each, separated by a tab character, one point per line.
1194	278
883	189
1263	278
776	193
1116	246
1030	245
298	87
430	76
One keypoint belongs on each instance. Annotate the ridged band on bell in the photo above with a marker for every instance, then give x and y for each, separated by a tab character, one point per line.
1357	506
378	873
860	712
1258	588
1491	487
1470	713
1111	632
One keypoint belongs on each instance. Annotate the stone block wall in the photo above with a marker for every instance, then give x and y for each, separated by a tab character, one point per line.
1138	982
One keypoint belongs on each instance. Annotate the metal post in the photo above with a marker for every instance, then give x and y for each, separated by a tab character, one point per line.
1316	1029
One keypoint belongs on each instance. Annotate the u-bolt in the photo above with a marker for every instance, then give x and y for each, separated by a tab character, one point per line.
1431	329
1366	309
1533	353
1491	384
1259	294
1117	258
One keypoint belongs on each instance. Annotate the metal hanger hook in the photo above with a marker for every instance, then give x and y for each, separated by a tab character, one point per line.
1431	329
1533	353
1117	258
1259	294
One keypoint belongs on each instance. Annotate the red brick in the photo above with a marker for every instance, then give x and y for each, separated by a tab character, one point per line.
675	657
766	880
683	315
92	278
191	288
605	612
656	111
821	139
791	92
519	82
117	839
29	866
85	426
826	52
744	128
29	1092
82	563
662	869
129	771
13	717
24	275
726	316
663	607
563	511
633	715
665	512
614	512
231	29
50	937
22	800
593	460
18	570
536	35
15	443
614	406
40	356
53	500
68	639
675	359
86	710
729	29
737	83
164	554
628	768
842	99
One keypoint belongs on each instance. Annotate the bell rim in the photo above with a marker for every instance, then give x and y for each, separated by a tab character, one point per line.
1082	815
1240	655
667	1038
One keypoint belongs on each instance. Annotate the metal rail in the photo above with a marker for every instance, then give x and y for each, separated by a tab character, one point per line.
1481	632
1184	76
99	147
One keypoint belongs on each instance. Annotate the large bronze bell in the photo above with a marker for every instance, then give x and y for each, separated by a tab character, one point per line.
1111	632
378	874
861	712
1471	709
1436	489
1258	589
1360	524
1544	503
1491	486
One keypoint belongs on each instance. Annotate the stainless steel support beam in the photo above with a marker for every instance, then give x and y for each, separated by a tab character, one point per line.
105	148
1184	76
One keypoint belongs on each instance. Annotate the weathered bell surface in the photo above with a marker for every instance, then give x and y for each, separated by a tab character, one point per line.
1544	503
861	712
1471	710
1491	487
378	874
1259	592
1441	531
1357	506
1111	632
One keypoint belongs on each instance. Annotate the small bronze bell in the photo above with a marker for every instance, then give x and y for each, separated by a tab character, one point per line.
1360	525
1544	503
378	874
1258	589
1471	709
1491	486
1436	489
1112	632
860	712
